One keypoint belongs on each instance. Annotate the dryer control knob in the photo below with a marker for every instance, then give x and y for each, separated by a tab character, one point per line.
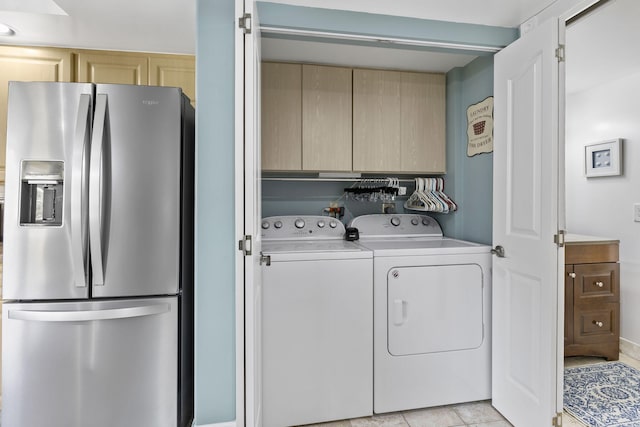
425	221
265	225
395	221
321	224
414	221
277	224
299	223
333	224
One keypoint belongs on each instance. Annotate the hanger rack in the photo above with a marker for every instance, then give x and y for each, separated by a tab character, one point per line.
429	196
322	179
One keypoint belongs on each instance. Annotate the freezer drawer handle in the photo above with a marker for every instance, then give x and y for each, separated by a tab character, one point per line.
88	315
78	224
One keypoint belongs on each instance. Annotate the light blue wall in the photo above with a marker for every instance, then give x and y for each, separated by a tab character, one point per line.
215	240
215	243
469	179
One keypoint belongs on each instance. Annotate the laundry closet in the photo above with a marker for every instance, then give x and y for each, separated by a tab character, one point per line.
372	136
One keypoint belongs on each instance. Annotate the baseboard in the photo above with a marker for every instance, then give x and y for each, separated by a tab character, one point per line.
226	424
630	348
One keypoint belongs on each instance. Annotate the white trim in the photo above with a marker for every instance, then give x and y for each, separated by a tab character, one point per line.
630	348
239	218
387	40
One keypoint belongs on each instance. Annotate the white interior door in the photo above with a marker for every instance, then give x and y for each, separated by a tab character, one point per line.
527	302
248	149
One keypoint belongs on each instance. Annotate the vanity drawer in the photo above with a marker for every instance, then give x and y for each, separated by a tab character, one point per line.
592	325
596	283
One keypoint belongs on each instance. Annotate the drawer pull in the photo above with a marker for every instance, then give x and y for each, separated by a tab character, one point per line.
598	323
599	284
572	275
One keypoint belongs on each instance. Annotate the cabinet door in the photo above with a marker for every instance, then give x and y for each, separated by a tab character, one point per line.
174	71
422	123
281	106
326	118
376	121
112	67
28	64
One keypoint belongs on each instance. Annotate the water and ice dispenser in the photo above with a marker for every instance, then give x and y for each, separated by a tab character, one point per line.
41	195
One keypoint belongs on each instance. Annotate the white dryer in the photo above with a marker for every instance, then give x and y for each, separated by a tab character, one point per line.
432	313
317	323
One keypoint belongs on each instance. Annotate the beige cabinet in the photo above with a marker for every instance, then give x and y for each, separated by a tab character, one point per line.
281	125
174	71
398	122
422	123
326	118
112	67
28	64
376	120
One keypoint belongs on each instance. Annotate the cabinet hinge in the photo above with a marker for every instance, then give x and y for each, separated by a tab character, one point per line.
244	22
557	420
244	245
558	239
560	53
265	259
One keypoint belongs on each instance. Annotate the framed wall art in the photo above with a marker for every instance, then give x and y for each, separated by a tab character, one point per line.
603	158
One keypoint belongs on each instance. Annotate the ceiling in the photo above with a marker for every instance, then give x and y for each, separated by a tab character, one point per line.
169	25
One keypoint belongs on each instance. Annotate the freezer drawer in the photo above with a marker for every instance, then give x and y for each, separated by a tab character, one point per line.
99	364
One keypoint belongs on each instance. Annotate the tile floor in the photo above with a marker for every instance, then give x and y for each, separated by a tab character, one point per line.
475	414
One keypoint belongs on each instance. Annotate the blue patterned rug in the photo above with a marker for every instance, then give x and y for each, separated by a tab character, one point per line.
603	395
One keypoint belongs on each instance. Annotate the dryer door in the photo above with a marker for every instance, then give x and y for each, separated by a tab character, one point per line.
434	308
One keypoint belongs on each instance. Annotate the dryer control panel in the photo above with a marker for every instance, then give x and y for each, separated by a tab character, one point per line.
301	227
396	225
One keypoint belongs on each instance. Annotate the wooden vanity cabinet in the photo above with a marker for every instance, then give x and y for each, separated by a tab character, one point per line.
592	299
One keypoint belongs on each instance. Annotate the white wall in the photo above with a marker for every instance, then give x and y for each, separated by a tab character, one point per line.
604	206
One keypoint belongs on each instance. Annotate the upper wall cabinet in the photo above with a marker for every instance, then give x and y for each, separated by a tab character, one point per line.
326	118
112	67
28	64
422	122
398	122
281	125
376	121
174	71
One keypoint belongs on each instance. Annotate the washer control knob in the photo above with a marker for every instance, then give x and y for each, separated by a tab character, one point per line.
395	221
414	221
425	221
299	223
321	224
333	224
265	225
277	224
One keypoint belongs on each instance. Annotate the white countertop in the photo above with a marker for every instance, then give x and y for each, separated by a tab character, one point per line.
583	238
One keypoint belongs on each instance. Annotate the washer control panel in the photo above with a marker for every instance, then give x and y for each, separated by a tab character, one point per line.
302	227
396	225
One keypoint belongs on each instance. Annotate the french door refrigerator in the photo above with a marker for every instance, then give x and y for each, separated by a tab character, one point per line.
97	325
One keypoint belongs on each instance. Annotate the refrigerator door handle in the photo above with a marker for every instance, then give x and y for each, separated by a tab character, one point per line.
96	186
88	315
78	191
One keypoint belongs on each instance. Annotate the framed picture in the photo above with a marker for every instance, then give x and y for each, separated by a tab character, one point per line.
603	158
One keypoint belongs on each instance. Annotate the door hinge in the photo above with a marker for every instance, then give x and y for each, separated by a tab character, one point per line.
560	53
558	239
557	420
244	245
244	22
265	259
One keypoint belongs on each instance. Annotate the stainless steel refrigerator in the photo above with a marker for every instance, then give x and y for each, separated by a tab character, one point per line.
97	320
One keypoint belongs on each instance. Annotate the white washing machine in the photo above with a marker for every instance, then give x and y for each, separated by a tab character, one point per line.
432	313
317	322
